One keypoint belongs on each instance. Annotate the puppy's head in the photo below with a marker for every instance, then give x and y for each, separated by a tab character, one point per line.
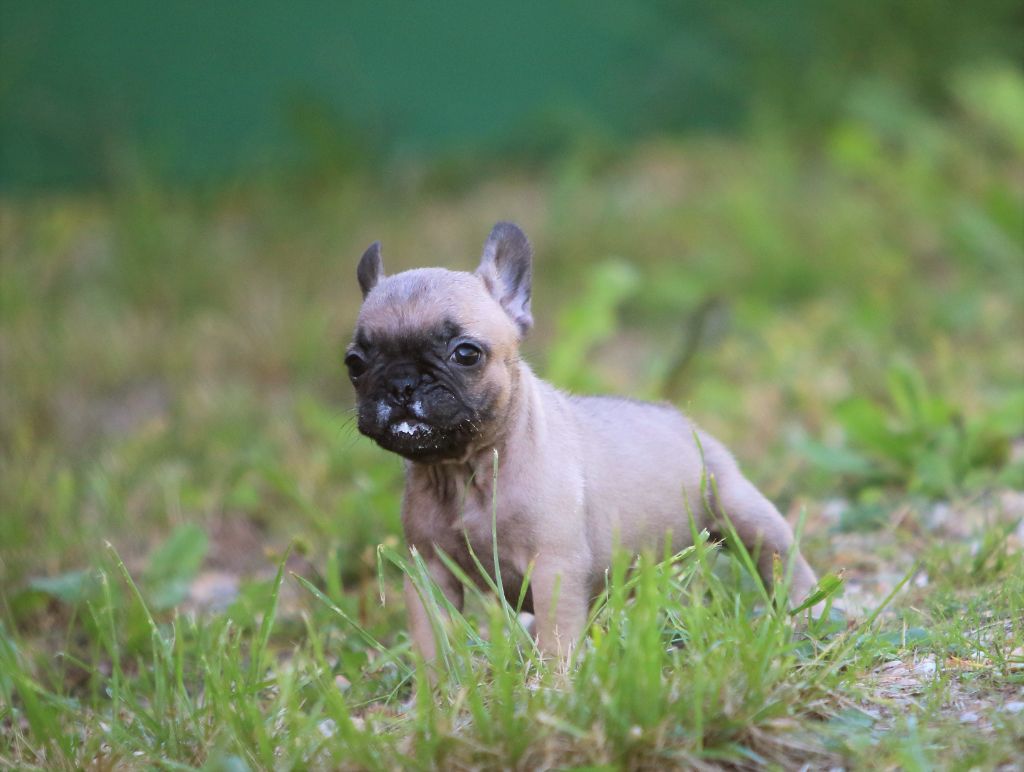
434	358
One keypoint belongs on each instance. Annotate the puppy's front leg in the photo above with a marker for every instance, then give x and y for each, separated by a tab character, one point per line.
560	603
420	626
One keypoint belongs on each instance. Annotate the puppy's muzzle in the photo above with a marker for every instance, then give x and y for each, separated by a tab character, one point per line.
402	389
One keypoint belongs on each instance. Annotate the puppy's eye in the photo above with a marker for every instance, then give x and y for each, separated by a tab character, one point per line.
356	364
466	354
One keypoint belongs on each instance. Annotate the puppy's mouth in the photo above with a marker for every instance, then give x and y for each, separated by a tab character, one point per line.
412	429
414	438
420	441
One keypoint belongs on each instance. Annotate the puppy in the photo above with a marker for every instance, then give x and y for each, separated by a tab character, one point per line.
436	368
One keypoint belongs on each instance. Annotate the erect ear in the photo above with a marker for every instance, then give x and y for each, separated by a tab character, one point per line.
371	268
506	269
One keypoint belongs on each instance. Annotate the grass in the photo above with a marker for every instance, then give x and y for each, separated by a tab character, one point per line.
839	312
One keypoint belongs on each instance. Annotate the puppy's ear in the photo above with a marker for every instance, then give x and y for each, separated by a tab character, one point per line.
371	268
506	269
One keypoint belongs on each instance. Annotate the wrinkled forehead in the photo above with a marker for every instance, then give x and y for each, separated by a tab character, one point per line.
433	303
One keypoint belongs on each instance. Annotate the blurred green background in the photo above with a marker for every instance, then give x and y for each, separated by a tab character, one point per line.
800	221
194	91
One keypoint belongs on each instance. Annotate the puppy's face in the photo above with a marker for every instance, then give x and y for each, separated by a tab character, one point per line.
435	352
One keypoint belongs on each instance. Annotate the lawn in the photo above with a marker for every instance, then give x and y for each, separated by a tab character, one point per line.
201	559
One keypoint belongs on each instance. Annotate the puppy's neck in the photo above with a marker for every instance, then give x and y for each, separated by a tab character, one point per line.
514	439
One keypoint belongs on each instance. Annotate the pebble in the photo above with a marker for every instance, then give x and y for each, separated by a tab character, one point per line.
925	667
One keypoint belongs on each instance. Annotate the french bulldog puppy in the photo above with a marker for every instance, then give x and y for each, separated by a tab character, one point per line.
436	368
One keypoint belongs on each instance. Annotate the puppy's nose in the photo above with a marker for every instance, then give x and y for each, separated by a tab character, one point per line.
402	388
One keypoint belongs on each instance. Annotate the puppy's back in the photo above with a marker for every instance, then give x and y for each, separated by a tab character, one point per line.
643	465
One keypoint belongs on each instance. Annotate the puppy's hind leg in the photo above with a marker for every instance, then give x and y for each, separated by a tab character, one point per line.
762	529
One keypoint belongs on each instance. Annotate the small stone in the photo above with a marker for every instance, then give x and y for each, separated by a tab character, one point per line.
939	515
834	509
1014	707
925	667
1015	659
969	717
213	590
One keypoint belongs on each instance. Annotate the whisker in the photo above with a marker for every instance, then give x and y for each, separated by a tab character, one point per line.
347	425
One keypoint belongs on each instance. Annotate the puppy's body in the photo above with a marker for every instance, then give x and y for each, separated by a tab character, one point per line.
435	362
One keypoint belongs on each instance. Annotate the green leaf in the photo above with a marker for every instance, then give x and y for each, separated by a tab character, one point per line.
71	587
173	566
934	474
912	636
866	515
827	586
839	460
589	320
867	425
852	718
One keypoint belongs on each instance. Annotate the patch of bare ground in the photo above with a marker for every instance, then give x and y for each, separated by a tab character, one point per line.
972	687
239	553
